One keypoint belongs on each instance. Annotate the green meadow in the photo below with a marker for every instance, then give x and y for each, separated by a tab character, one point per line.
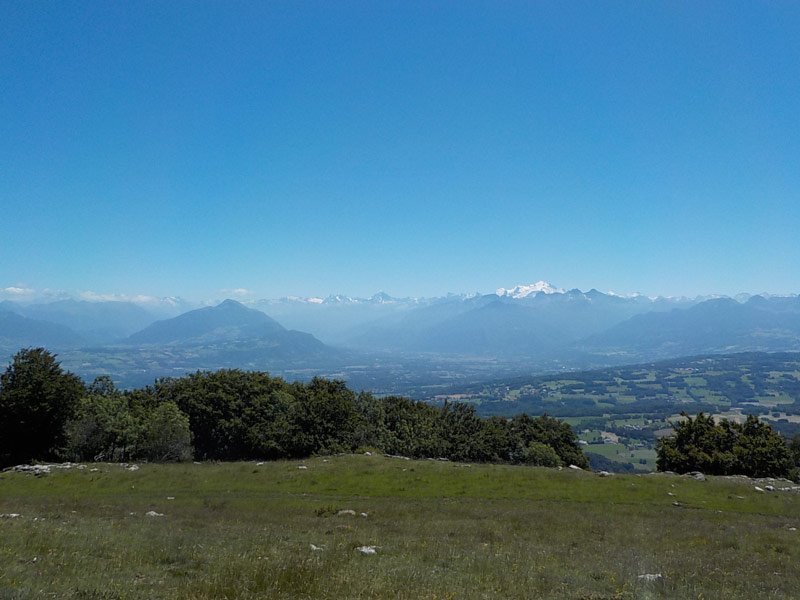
439	529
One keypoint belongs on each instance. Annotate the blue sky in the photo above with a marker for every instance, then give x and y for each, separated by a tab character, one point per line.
307	148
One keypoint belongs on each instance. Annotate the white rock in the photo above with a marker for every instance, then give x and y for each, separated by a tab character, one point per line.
132	468
34	469
170	497
258	464
367	549
10	516
347	512
605	474
303	467
316	548
152	513
95	470
769	488
651	577
363	515
367	453
758	489
575	467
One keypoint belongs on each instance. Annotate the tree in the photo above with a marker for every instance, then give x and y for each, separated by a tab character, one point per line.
165	435
551	432
103	428
37	397
538	454
726	448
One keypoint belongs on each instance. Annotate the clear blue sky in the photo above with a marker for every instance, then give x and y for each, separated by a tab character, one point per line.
318	147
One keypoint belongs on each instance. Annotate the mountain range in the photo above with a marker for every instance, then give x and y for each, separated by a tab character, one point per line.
530	322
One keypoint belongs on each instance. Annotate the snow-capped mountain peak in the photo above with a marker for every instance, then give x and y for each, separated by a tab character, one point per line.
523	291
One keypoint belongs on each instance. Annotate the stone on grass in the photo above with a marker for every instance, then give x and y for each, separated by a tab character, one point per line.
315	548
575	467
33	469
303	467
605	474
367	549
152	513
10	515
346	512
132	467
650	577
758	489
363	515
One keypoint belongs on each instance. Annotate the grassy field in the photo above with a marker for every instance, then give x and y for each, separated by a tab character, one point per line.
442	530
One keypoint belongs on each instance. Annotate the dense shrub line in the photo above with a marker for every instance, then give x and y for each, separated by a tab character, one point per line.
46	413
728	448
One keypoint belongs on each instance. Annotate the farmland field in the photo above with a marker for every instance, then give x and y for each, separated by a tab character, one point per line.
637	403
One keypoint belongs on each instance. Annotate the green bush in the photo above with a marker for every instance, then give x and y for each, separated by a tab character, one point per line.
751	448
538	454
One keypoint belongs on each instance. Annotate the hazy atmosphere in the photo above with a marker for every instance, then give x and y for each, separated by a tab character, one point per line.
260	150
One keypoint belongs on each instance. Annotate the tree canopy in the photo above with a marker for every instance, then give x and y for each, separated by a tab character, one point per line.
725	448
37	397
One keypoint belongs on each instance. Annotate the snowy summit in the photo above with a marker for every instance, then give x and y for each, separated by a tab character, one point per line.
523	291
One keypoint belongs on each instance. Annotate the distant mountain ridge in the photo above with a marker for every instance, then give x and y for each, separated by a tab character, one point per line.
17	331
529	322
96	322
719	325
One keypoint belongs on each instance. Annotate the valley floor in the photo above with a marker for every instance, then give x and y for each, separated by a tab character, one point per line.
439	530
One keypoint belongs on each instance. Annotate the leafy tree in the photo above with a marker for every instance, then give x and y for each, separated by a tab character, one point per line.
37	397
538	454
225	409
103	428
551	432
495	442
411	428
726	448
324	418
460	428
112	426
165	435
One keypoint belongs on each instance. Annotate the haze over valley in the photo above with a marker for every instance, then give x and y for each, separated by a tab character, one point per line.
388	344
